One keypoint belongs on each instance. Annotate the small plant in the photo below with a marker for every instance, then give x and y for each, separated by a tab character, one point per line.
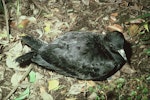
147	52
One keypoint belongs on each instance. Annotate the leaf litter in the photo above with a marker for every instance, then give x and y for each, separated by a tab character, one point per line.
68	16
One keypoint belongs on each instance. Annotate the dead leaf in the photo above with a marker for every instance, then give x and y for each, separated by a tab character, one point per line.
97	1
113	17
45	95
13	53
36	11
86	2
106	18
2	72
124	4
31	19
91	83
137	7
76	89
15	79
114	14
136	21
38	76
10	62
115	27
13	24
17	47
133	30
53	28
87	84
42	89
53	85
23	23
92	96
127	69
70	98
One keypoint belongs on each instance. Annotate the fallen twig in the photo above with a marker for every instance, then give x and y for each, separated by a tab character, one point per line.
6	18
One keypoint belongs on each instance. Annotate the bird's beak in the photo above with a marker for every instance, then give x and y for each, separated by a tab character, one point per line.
123	54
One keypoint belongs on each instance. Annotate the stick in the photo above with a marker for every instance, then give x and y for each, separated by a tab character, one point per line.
6	18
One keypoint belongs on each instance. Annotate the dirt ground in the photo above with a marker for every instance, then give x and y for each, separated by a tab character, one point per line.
48	19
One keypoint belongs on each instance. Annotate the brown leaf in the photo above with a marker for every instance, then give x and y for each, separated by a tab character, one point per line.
113	17
115	27
23	23
133	30
91	83
13	24
42	89
137	7
114	14
124	3
127	69
136	21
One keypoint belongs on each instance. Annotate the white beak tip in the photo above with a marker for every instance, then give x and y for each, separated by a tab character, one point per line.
123	54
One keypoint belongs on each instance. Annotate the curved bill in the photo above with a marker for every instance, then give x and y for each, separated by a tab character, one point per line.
123	54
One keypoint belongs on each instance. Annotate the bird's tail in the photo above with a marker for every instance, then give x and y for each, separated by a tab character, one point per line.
35	44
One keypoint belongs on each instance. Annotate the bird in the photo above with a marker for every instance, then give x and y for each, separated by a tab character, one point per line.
80	55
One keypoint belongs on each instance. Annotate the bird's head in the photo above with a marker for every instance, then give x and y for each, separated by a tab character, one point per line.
115	41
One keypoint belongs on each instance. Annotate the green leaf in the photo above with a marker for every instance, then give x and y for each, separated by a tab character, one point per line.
133	93
91	89
148	78
142	16
24	94
146	27
147	52
145	91
32	76
120	80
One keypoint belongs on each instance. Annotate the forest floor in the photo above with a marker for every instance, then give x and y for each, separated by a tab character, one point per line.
48	19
